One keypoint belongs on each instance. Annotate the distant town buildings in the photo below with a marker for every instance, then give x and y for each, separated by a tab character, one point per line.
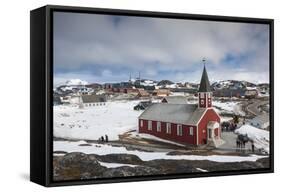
143	93
161	92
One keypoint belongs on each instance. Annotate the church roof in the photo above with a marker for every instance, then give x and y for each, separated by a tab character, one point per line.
175	99
205	84
187	114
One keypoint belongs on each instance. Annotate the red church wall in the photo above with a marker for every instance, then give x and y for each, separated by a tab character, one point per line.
210	115
185	138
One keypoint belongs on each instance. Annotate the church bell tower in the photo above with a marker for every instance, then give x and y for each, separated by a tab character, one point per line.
204	92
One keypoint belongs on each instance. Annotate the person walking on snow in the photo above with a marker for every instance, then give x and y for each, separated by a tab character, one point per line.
253	147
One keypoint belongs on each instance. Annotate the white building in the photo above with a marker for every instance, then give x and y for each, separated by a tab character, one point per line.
260	121
93	100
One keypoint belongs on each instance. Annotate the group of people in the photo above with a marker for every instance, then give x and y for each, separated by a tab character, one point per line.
226	126
103	139
240	144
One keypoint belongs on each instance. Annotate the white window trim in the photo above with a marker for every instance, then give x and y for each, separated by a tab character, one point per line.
168	128
141	123
149	126
191	131
179	130
158	129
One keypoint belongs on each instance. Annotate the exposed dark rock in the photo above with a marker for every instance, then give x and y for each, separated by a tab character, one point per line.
119	158
264	162
130	171
76	166
60	152
172	166
80	166
85	144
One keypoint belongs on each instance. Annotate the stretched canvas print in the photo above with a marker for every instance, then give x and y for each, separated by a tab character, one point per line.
150	96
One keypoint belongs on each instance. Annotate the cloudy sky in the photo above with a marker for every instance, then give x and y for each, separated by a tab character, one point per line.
102	48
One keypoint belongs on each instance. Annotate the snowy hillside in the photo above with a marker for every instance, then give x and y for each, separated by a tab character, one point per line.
73	82
149	83
259	136
91	123
232	84
167	84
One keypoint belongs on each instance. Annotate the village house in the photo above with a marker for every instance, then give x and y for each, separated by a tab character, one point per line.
142	105
239	92
261	121
251	93
108	86
65	100
93	100
132	91
195	124
143	93
161	92
264	88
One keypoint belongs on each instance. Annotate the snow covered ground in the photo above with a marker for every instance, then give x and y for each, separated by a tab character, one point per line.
113	119
259	136
152	137
224	118
115	165
91	123
230	107
202	170
104	149
179	94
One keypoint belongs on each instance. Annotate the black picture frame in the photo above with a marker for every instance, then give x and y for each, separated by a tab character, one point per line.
41	82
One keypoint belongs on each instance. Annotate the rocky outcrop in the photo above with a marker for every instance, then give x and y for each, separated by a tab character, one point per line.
76	166
119	158
79	166
130	171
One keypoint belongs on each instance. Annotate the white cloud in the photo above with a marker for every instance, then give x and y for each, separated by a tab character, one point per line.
142	44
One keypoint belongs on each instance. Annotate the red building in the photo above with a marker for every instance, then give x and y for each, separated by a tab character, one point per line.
195	124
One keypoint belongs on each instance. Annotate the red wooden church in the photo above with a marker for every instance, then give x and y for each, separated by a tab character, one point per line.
195	124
